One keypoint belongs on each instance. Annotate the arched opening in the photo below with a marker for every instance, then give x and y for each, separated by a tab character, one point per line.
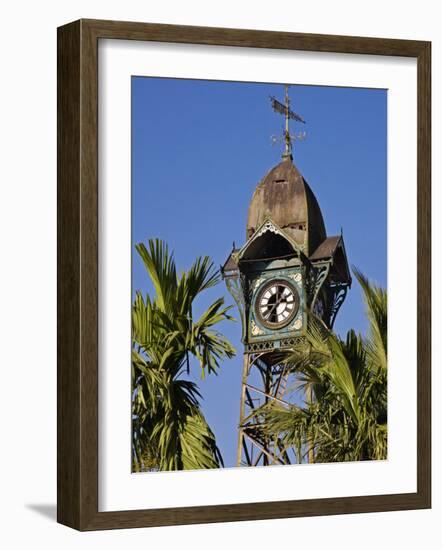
269	246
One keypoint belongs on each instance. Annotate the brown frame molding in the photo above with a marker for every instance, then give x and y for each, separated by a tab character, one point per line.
77	430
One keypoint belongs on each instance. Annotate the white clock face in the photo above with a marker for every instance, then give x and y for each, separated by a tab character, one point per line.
277	303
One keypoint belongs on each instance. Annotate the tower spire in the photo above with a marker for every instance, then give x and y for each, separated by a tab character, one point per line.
287	137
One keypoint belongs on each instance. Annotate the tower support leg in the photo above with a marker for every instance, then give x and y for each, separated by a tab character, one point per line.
242	406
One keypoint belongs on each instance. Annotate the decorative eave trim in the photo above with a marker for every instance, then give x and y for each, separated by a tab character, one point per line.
269	225
331	259
341	243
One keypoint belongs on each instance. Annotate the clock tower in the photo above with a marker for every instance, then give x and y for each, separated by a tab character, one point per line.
287	267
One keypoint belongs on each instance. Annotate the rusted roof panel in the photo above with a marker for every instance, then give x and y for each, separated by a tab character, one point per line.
326	249
333	248
285	197
231	264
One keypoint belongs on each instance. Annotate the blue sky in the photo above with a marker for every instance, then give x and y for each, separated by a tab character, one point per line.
199	148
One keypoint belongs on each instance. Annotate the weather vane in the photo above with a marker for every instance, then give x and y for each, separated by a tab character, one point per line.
287	137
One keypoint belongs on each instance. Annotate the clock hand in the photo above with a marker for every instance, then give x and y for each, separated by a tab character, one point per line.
270	311
281	298
278	300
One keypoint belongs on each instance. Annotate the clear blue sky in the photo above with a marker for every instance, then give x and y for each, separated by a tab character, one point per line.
199	148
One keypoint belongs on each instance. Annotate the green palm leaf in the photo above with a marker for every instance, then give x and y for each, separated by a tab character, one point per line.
347	418
169	429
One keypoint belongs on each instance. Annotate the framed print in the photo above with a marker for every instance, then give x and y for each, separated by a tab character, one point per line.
286	374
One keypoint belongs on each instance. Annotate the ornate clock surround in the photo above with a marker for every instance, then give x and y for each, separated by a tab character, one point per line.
276	303
292	276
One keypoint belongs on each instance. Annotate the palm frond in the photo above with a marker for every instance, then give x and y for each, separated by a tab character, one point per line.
376	308
347	418
169	429
161	268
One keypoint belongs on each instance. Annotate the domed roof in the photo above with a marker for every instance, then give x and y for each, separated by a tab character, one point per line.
285	197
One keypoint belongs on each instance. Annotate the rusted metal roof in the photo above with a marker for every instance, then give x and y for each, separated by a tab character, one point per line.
333	249
285	197
326	249
231	263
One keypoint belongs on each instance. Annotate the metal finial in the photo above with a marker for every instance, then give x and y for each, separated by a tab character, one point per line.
287	137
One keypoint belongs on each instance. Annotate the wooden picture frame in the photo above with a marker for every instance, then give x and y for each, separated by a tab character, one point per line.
77	226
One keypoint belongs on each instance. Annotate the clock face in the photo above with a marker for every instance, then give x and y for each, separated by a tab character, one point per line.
276	304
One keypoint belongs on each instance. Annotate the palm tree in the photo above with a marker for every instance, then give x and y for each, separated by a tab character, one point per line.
169	429
346	420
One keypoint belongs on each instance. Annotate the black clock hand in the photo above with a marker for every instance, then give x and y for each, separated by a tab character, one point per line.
278	300
270	311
